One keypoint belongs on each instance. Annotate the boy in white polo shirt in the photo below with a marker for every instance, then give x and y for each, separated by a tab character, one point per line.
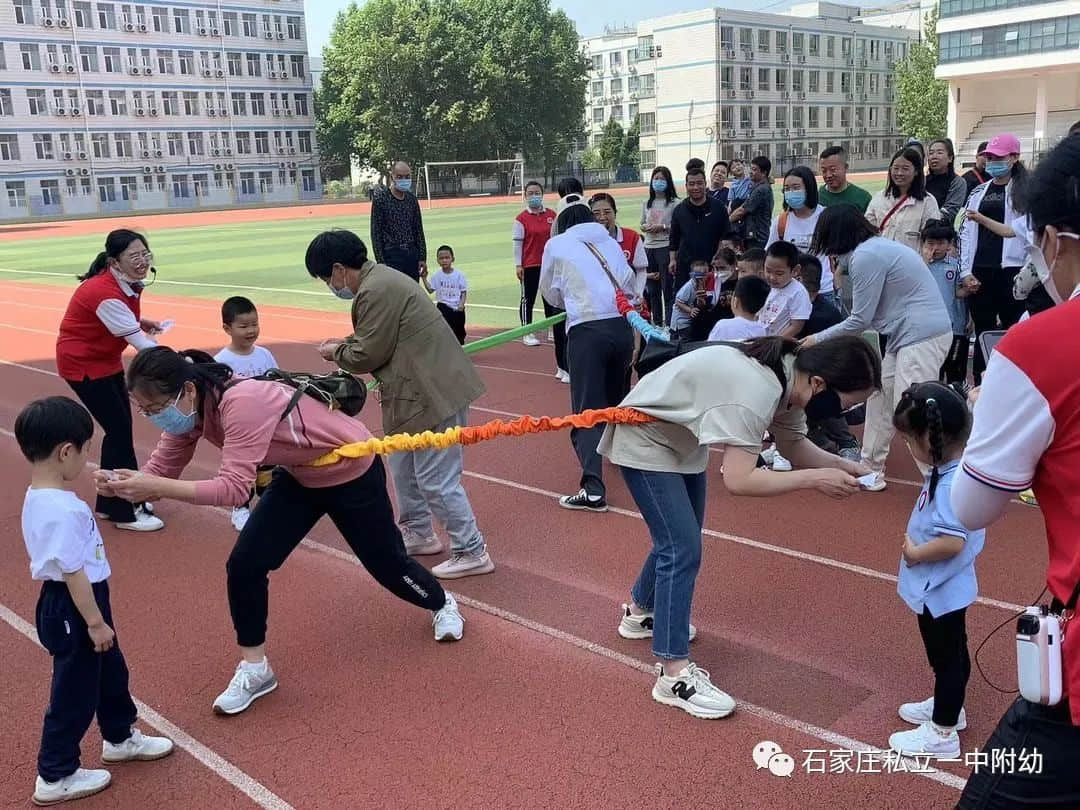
451	289
788	306
74	619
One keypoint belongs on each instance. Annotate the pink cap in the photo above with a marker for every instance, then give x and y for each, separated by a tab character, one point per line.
1002	146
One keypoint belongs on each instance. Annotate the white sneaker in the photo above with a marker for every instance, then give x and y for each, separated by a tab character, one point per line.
249	683
448	621
137	746
636	627
80	784
144	522
417	546
875	482
530	340
781	464
240	516
925	740
464	564
693	692
769	454
923	712
563	376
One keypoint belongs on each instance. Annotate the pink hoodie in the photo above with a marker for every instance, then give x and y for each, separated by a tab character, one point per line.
247	426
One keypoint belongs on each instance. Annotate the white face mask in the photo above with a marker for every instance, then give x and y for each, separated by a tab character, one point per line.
1038	268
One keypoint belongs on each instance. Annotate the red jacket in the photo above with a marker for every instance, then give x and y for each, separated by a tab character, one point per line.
85	348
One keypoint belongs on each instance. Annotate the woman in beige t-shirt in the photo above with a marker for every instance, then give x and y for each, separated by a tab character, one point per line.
728	396
903	208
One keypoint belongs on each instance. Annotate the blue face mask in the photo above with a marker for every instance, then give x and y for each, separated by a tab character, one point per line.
795	199
345	294
998	168
403	185
173	420
536	201
659	186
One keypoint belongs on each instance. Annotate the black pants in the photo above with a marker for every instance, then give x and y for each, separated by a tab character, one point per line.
558	331
832	434
287	511
107	400
599	354
945	640
1028	727
659	292
407	260
456	319
84	682
530	286
991	305
955	367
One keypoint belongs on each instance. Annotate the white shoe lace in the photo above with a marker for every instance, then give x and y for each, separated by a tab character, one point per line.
701	680
240	683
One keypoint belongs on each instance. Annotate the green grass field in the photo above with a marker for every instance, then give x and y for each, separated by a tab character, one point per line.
265	260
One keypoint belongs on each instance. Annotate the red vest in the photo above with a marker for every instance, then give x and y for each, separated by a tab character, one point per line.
629	243
537	232
85	347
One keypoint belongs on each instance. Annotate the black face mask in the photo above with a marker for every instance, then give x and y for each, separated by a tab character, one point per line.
824	405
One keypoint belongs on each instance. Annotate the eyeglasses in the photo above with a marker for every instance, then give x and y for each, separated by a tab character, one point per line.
153	410
146	257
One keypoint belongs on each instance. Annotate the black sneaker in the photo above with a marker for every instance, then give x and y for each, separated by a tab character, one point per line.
582	502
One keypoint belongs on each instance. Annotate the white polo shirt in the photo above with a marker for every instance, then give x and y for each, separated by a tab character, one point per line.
62	536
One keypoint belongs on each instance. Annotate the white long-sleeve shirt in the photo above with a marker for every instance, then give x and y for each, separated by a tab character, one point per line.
572	278
120	320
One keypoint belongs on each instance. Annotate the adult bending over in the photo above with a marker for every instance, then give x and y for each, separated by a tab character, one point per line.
893	293
426	382
600	342
1026	434
728	396
191	398
102	319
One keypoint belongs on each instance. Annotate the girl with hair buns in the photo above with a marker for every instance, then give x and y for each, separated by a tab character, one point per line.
102	319
937	572
255	424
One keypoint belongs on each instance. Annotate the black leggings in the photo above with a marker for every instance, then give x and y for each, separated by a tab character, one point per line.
945	640
991	305
107	400
530	285
287	511
955	367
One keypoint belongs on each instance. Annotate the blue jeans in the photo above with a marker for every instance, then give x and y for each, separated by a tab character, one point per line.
428	482
673	506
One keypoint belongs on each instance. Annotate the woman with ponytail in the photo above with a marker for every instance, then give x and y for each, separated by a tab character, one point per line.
102	319
254	425
727	395
937	572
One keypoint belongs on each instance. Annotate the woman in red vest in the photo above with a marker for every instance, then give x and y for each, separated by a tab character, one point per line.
532	229
102	319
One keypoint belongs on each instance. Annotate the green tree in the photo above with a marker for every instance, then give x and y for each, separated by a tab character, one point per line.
922	106
631	146
590	159
612	144
450	80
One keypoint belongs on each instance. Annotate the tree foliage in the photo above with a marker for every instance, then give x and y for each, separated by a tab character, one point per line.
431	80
632	147
922	101
612	144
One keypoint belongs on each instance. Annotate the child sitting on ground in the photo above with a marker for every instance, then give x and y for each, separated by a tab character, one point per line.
937	572
788	307
746	302
938	238
752	263
240	320
726	274
74	618
450	288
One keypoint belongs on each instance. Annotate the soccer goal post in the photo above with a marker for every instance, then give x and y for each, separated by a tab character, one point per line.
474	178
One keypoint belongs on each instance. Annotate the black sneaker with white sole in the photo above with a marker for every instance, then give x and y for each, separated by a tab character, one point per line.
583	502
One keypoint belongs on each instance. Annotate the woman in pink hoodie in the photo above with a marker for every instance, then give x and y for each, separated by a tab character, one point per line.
191	398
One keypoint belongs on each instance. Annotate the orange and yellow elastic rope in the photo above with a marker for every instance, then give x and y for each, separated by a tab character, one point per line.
405	442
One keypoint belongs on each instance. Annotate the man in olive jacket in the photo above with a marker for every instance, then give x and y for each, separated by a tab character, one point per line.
426	382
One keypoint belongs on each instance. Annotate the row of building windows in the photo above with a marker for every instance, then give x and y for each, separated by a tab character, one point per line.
60	58
1010	40
55	146
780	117
801	44
768	79
131	17
126	188
796	152
953	8
72	103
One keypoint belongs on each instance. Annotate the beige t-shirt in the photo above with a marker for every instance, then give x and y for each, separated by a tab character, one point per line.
711	395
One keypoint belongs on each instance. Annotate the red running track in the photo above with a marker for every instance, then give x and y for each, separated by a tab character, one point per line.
542	704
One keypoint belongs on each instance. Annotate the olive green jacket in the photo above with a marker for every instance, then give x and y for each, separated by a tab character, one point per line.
401	338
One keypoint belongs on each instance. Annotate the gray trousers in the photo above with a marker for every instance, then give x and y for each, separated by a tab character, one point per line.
428	483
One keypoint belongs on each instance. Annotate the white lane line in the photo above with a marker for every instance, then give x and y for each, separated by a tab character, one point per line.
776	718
210	759
219	286
829	562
